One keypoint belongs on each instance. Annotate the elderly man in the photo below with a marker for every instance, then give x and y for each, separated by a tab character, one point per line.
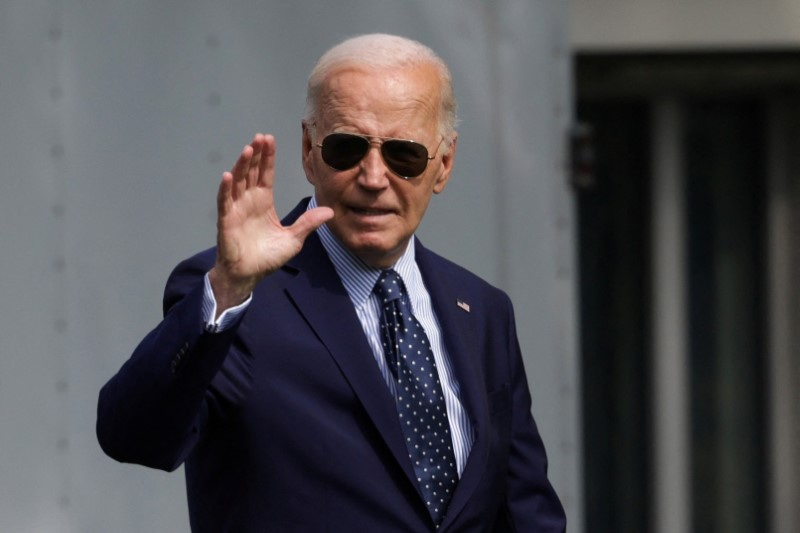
327	372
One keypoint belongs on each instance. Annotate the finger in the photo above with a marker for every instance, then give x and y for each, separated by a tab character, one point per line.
255	162
224	200
309	221
240	170
242	164
266	171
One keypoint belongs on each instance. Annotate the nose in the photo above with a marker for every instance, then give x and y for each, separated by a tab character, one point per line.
373	172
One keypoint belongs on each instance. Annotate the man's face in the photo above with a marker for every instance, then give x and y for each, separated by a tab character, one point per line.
375	211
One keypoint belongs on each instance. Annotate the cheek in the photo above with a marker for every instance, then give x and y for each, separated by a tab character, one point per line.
420	201
327	186
413	216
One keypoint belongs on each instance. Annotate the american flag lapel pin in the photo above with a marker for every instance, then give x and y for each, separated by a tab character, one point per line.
463	305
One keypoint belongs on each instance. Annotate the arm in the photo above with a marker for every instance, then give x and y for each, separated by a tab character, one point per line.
154	410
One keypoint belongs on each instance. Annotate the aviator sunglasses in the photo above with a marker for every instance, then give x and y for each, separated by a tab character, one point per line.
405	158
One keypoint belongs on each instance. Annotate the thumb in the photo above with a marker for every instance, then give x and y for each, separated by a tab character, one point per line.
309	221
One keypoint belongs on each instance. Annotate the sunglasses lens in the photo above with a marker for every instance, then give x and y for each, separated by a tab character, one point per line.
342	150
407	159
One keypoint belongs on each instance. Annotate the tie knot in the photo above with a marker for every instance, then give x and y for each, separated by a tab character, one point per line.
389	286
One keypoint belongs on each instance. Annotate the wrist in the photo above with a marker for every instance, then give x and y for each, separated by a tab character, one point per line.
228	291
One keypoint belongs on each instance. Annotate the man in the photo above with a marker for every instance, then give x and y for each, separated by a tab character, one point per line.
327	372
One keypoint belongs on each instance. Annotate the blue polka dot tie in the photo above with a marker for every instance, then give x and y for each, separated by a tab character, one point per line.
420	403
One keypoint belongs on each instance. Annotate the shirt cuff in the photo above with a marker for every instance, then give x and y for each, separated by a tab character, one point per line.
228	317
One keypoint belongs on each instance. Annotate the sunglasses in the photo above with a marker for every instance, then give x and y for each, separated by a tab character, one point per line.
407	159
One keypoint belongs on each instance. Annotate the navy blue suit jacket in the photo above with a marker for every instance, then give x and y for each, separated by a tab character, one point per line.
284	421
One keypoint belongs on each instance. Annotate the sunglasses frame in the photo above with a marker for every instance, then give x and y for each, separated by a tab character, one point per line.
378	140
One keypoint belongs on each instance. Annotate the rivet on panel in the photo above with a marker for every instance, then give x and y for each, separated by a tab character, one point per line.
54	33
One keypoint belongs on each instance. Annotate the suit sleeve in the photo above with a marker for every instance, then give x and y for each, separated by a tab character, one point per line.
154	409
531	502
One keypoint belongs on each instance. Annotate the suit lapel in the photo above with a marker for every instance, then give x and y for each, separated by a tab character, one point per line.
453	310
321	298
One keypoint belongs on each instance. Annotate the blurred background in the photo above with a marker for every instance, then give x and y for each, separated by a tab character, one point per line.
627	171
687	175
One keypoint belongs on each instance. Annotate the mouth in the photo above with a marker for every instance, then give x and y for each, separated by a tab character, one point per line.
370	211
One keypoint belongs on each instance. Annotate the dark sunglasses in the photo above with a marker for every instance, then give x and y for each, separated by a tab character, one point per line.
407	159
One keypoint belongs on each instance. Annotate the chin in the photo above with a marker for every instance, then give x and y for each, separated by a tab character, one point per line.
379	255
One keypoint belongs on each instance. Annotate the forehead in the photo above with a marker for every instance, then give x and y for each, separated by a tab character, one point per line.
379	100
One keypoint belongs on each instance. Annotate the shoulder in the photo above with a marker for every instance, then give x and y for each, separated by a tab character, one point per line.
187	275
199	263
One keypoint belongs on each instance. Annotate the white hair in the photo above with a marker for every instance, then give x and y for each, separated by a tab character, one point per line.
382	51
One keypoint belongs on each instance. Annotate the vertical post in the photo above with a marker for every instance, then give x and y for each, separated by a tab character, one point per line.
670	377
784	369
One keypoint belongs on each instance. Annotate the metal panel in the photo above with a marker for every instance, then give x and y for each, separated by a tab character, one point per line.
117	119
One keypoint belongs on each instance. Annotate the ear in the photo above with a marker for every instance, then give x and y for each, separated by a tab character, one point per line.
448	158
308	152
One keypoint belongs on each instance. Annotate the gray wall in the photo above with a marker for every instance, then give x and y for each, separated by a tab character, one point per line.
116	121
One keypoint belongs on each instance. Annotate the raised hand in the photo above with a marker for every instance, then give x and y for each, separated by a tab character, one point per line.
251	242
